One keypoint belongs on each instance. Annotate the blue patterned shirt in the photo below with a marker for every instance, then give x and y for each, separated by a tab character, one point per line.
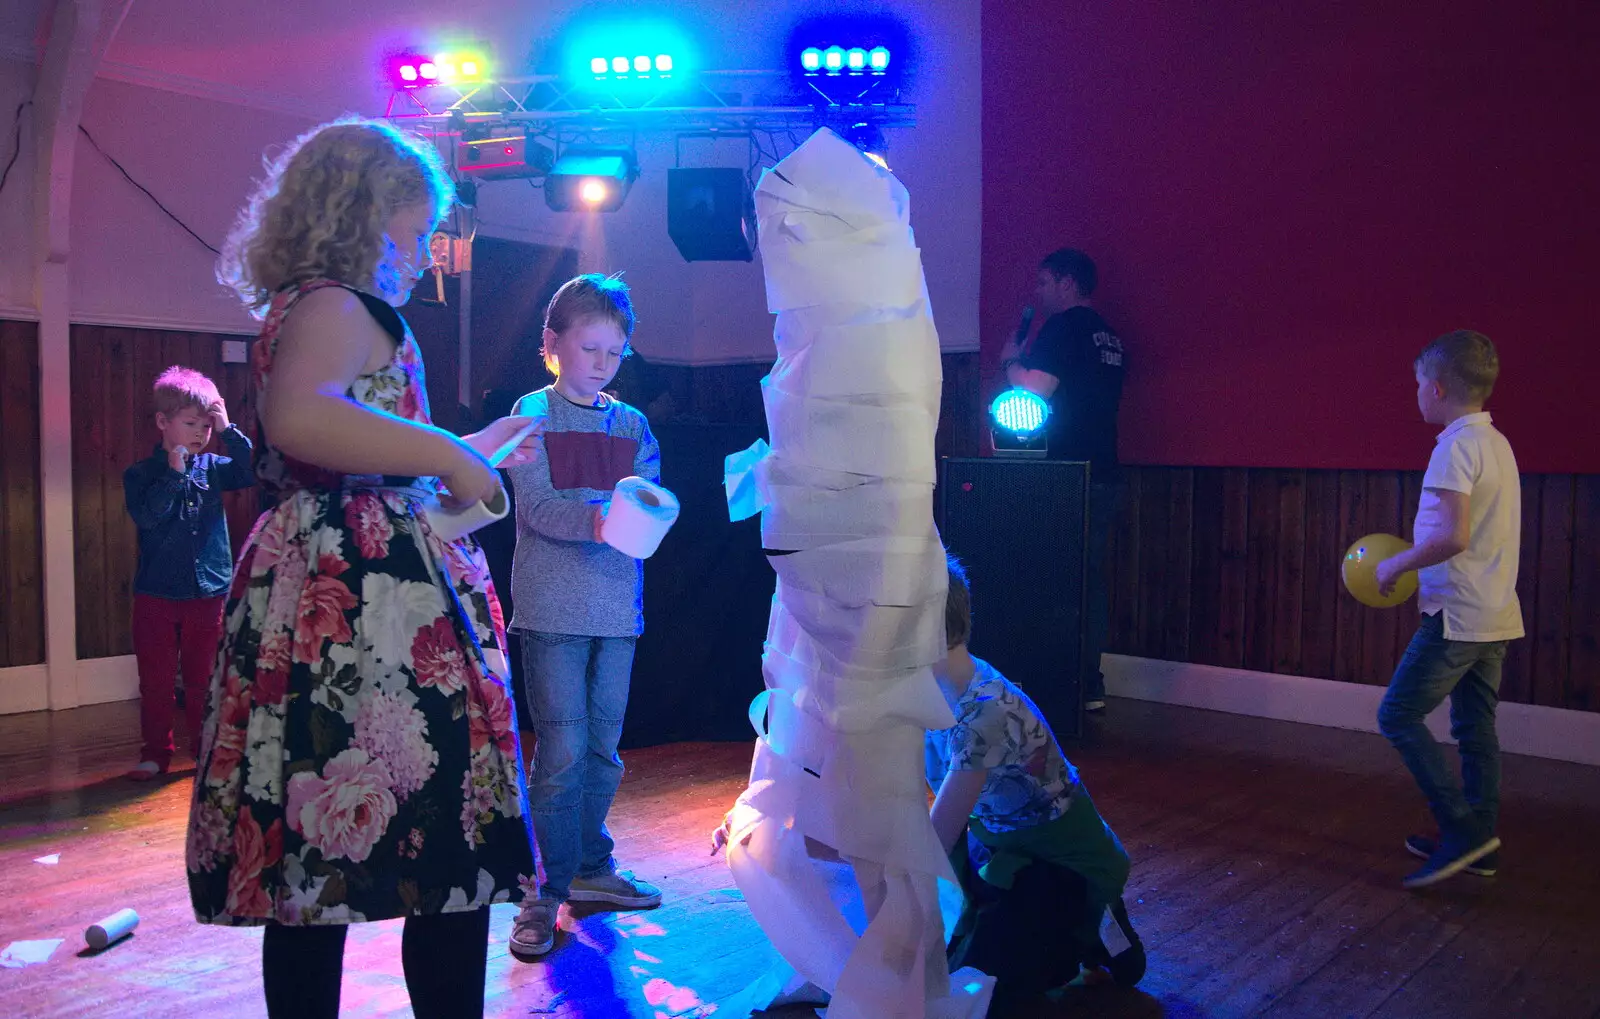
999	730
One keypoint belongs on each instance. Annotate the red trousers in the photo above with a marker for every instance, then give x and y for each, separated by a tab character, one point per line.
168	634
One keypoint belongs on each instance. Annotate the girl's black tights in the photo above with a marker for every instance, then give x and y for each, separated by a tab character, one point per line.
444	957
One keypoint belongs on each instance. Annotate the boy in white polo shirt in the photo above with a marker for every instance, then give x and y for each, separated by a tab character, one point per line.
1467	535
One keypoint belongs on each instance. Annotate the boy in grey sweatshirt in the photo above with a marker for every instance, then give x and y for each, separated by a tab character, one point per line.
579	604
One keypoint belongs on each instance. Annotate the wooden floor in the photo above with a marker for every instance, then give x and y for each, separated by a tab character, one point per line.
1266	881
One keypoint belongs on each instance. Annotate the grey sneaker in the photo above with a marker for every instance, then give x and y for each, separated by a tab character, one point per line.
534	932
619	888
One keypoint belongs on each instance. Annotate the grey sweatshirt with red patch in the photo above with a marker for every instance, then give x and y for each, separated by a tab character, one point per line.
562	579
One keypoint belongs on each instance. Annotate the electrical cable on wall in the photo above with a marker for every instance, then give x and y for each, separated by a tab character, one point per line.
16	142
170	214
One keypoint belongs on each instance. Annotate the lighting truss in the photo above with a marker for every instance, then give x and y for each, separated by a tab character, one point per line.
724	101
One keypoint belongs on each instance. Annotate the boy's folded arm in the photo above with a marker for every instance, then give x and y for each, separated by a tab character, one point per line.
553	517
151	500
235	470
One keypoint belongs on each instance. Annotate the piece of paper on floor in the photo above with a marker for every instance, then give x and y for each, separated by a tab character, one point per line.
25	953
1111	935
49	861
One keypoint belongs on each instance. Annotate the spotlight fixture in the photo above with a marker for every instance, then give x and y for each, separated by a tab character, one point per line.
835	60
1018	418
633	53
846	61
591	178
504	156
641	65
422	70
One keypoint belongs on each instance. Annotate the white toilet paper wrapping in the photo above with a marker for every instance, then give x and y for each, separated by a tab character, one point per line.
451	524
857	621
639	516
740	482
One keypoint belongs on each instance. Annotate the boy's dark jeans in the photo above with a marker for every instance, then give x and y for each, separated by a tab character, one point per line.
1468	672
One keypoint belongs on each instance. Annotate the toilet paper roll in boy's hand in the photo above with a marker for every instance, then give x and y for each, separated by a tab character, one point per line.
638	516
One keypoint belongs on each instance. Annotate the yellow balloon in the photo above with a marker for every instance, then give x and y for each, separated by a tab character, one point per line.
1360	571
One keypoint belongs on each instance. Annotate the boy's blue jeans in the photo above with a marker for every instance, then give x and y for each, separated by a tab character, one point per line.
1468	672
577	690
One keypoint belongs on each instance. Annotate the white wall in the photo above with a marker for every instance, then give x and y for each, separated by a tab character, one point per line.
134	266
131	265
16	199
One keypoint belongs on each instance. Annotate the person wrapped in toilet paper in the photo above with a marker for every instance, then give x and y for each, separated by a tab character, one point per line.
845	495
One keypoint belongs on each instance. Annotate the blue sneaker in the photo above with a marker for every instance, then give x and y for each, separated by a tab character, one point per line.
1451	856
1422	846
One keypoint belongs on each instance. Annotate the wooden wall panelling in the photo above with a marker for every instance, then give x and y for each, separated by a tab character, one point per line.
1235	558
1240	568
1321	584
1381	632
1349	616
1582	688
92	450
1155	588
1123	564
1517	683
1261	596
21	564
1551	627
1288	580
1180	561
1205	566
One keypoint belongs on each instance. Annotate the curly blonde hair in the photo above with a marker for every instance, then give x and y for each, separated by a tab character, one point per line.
321	210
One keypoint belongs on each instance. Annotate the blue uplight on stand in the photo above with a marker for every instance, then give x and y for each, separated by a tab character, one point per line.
1019	412
1018	418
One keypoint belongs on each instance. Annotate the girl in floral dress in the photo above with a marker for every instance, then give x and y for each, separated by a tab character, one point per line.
360	757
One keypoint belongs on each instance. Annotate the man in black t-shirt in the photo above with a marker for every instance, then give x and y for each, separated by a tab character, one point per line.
1076	363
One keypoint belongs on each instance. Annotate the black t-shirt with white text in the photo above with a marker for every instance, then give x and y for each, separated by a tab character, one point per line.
1082	351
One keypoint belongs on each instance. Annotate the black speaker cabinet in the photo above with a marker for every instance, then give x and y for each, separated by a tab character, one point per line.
710	215
1021	529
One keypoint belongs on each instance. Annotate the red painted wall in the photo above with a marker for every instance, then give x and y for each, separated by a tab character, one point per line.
1287	201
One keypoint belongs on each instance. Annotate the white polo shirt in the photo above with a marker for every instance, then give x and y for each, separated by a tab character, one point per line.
1476	590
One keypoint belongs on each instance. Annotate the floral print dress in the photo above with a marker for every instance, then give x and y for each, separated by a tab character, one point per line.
360	758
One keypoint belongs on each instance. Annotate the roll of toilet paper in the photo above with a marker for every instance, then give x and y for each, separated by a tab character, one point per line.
641	514
118	924
451	524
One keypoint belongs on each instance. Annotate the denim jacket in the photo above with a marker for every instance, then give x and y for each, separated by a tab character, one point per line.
183	533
